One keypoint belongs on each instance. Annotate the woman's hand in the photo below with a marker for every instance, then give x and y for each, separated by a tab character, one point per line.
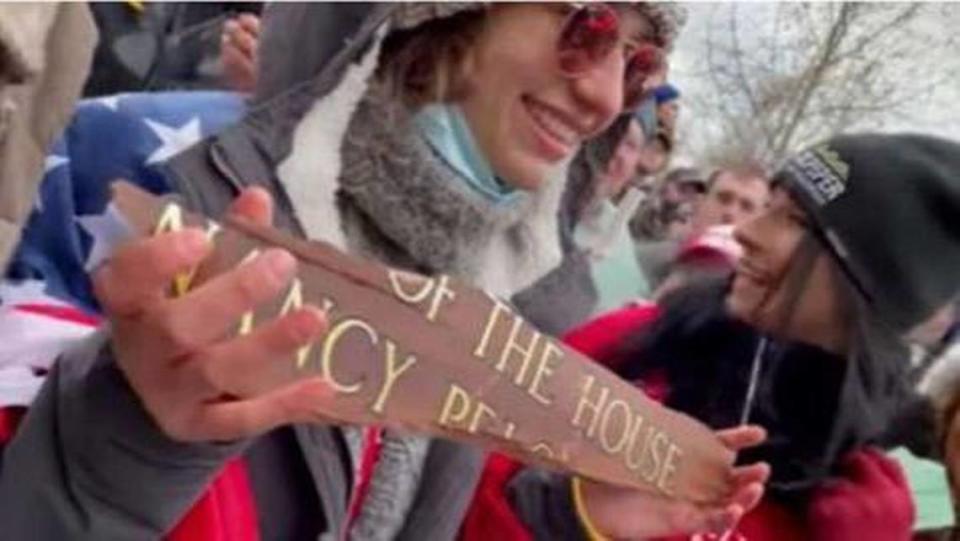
196	379
238	52
870	501
621	513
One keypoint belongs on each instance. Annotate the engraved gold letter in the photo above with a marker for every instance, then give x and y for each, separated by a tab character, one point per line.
426	285
294	301
391	374
512	345
326	359
669	468
544	369
443	292
171	219
246	323
455	406
614	448
498	308
594	407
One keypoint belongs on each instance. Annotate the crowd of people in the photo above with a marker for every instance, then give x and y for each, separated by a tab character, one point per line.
804	312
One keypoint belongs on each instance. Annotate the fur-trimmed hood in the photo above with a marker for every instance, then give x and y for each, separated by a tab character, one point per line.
305	105
349	172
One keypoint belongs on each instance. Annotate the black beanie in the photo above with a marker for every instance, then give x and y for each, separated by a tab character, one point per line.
888	208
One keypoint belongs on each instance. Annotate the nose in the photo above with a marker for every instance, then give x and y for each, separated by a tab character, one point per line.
746	234
600	90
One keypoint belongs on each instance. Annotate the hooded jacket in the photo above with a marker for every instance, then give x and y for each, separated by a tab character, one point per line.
335	154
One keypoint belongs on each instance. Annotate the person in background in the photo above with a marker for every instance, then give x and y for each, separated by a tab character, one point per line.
710	256
430	137
238	52
667	99
658	138
149	46
733	195
603	230
666	212
683	185
599	270
45	52
615	164
660	210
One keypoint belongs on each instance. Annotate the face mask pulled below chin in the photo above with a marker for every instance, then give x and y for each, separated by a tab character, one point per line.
446	130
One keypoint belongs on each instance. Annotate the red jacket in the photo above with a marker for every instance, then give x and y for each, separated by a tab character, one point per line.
872	502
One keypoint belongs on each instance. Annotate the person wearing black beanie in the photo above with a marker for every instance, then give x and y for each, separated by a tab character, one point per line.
860	244
887	208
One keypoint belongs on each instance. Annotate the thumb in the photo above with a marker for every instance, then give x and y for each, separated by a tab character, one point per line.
254	204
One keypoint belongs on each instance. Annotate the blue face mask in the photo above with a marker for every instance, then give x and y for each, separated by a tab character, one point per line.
446	130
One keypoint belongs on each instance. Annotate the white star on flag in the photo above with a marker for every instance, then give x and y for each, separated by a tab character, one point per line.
25	292
110	102
107	231
49	164
53	161
173	140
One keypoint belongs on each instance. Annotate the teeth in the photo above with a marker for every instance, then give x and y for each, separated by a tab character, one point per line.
553	124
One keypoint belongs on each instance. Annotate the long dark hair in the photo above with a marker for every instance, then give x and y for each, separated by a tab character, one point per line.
816	405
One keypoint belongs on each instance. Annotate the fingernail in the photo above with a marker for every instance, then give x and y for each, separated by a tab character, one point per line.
279	263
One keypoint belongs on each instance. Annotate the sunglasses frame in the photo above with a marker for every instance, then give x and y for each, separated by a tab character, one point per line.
645	61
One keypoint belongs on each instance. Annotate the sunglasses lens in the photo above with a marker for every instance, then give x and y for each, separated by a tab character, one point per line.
644	63
589	35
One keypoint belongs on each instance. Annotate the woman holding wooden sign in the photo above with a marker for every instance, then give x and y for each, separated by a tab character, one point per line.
859	245
430	137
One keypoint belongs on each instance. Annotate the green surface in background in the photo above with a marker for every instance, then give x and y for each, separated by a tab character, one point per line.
930	490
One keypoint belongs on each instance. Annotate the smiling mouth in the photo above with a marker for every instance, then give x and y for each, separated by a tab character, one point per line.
750	272
557	136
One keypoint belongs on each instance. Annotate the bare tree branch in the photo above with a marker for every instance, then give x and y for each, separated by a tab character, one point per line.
808	71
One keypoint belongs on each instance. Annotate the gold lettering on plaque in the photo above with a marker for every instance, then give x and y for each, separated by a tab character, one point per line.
333	337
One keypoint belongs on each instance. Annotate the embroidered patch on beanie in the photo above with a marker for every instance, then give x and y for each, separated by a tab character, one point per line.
820	172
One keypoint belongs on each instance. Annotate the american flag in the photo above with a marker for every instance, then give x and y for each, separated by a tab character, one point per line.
46	303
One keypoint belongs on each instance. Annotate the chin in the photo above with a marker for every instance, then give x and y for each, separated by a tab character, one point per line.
525	174
741	309
733	306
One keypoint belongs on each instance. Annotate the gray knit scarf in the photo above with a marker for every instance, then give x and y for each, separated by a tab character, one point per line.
401	203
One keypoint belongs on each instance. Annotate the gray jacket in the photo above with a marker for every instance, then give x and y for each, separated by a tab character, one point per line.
89	463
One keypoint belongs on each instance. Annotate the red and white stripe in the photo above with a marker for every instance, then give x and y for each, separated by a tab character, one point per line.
34	330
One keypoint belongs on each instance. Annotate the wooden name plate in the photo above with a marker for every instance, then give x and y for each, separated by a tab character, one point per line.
434	356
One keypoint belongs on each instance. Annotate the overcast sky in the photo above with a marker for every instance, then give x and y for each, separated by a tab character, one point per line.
940	115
